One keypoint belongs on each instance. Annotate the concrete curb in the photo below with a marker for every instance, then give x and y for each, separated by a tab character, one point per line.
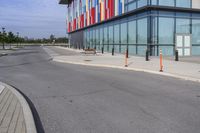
133	69
28	116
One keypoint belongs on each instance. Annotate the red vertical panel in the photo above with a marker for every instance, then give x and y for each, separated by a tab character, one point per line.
111	8
74	24
86	19
105	9
69	27
82	20
109	5
93	15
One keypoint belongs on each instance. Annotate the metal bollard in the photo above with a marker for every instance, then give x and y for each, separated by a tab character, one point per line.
147	55
176	56
161	61
126	53
126	59
112	51
102	50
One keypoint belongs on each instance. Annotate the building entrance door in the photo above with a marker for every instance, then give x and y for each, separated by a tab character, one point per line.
183	44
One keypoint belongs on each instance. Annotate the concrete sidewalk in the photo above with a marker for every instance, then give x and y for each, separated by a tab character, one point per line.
15	114
183	70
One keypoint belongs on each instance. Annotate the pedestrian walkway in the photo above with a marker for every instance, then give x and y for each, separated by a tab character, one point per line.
14	112
183	70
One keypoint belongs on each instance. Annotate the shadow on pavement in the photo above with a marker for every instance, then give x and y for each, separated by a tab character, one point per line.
37	120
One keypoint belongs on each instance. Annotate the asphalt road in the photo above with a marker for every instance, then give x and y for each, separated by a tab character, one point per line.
80	99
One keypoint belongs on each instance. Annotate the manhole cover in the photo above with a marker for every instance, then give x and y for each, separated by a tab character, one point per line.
87	60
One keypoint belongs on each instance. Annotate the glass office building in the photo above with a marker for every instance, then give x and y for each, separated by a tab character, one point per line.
136	25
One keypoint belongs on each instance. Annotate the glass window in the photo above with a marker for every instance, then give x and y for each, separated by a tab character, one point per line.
116	38
116	34
183	26
101	37
110	34
142	3
92	38
132	49
88	38
154	35
132	32
97	39
123	48
131	6
167	50
195	31
142	50
183	3
166	2
142	31
124	33
153	2
106	46
195	50
84	38
105	36
110	31
166	30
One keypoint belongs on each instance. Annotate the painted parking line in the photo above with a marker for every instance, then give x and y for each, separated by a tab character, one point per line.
1	88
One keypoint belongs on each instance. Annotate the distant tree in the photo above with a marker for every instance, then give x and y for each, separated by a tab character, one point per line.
1	37
11	37
52	38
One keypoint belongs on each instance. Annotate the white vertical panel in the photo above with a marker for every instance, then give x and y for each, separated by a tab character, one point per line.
187	41
179	41
180	51
187	51
116	7
123	6
196	4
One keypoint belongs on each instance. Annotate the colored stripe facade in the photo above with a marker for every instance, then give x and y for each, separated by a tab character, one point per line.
82	13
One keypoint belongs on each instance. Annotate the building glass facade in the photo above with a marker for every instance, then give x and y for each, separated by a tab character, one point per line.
136	25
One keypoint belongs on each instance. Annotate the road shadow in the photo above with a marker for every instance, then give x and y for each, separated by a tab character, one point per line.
38	123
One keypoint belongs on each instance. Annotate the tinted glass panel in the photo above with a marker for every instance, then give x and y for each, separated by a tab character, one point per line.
131	6
142	3
110	34
166	2
183	3
142	31
116	34
154	2
124	33
182	25
195	50
195	31
132	32
166	30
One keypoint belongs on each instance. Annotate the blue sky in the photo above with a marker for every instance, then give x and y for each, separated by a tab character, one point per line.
33	18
